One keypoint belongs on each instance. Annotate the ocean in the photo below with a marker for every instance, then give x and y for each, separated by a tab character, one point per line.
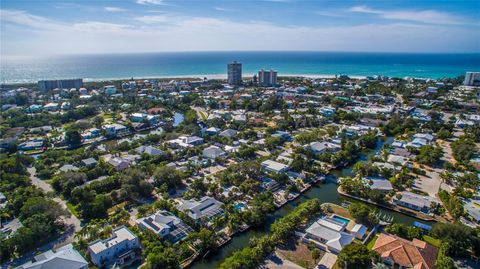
213	65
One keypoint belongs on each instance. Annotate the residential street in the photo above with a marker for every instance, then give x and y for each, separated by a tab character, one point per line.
72	222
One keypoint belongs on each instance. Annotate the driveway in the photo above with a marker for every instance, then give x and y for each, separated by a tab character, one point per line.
328	261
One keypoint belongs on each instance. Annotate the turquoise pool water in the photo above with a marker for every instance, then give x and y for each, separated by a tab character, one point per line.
239	206
340	219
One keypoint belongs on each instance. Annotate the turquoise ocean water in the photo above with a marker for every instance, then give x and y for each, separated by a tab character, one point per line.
213	65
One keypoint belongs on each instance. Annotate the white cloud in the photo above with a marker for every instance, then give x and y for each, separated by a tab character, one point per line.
150	2
24	18
115	9
223	9
152	19
96	26
423	16
24	33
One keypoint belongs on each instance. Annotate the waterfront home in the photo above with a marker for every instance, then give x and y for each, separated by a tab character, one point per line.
324	147
328	234
64	257
201	210
383	165
274	167
166	225
359	231
401	253
119	249
378	183
114	129
213	152
269	184
141	117
415	201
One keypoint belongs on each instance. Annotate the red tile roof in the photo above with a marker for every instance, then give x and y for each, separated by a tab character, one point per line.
411	254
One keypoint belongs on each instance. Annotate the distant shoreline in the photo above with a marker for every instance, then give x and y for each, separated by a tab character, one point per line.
200	76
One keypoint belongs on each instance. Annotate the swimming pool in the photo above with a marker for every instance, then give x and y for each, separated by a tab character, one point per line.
239	206
340	219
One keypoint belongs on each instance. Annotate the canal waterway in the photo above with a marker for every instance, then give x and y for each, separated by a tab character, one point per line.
326	193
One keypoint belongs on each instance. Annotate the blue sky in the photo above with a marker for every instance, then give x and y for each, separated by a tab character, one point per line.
33	27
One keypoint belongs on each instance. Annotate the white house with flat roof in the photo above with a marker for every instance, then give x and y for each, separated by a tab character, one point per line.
185	142
273	166
122	242
200	210
114	129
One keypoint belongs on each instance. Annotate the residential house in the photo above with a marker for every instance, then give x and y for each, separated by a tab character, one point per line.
64	257
34	144
185	142
166	225
274	167
89	162
212	131
328	234
213	152
228	133
117	162
201	210
120	248
359	231
378	183
149	150
324	147
115	129
67	168
401	253
269	184
415	201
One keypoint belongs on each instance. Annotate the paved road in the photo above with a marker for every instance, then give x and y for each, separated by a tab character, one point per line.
37	181
72	222
73	225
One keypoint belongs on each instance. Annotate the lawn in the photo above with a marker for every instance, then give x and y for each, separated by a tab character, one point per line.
300	254
432	241
372	241
73	209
